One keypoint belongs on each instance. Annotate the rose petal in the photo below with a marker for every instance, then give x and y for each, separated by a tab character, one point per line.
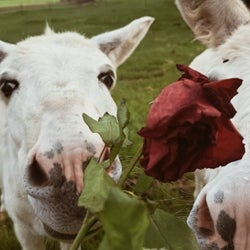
220	94
180	102
191	74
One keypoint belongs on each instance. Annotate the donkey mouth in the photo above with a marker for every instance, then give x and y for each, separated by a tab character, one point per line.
54	199
57	235
55	204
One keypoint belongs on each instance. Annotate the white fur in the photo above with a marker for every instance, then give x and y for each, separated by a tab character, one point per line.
211	21
228	41
41	123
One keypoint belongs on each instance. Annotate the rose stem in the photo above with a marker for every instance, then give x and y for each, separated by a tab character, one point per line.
102	155
87	224
131	165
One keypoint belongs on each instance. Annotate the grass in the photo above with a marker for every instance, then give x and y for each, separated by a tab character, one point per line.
11	3
140	79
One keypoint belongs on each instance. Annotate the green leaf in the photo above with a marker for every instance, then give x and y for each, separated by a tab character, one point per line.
115	150
125	221
123	114
144	182
97	185
107	127
126	141
168	231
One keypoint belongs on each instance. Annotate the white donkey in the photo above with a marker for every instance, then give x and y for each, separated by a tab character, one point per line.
220	216
47	82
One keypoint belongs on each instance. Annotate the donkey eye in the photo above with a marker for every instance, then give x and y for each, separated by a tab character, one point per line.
8	86
107	78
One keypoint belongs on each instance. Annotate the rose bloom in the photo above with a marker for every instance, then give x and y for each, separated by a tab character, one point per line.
189	127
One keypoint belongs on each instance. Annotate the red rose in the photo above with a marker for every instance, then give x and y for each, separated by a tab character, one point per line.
189	127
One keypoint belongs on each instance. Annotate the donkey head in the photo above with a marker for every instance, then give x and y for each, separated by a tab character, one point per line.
47	82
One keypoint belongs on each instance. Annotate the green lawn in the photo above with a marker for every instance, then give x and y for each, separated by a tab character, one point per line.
11	3
140	79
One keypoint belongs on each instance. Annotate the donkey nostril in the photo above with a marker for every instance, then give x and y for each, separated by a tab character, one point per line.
36	175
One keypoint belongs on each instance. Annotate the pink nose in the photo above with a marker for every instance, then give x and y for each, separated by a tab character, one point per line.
52	167
49	168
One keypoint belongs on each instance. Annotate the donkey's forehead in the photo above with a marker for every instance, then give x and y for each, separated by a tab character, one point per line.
67	47
66	39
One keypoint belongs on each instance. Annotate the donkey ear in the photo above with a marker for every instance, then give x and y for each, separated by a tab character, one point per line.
119	44
5	49
213	21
